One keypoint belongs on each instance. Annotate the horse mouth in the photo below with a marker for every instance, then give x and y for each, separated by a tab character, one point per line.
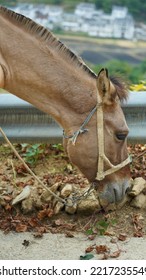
115	192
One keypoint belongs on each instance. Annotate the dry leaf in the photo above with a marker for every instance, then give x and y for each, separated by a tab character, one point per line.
91	236
7	197
8	207
33	222
21	228
69	235
122	237
45	213
100	249
115	254
59	222
138	234
89	249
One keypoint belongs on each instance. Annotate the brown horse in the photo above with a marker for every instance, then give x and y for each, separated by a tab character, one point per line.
38	68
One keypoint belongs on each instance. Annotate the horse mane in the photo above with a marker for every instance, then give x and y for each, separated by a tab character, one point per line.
44	35
121	88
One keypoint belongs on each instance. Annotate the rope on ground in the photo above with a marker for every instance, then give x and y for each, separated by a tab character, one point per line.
28	169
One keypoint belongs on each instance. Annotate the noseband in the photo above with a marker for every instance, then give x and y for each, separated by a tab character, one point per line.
101	174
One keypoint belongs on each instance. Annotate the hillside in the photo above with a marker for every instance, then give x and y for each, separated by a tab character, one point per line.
119	56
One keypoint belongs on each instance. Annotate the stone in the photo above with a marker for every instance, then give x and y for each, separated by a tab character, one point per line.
71	207
89	205
66	191
58	207
27	205
138	185
55	200
139	201
47	196
23	195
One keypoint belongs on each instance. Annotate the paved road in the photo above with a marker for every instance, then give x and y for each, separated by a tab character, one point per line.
23	246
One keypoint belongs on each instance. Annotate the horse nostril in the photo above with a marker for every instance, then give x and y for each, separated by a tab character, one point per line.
127	190
117	194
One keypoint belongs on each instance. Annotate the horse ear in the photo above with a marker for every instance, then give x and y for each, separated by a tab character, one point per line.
105	87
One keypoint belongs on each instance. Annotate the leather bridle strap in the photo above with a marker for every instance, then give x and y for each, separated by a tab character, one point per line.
101	174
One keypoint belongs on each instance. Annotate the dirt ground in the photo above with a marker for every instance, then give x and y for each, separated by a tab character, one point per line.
26	229
51	165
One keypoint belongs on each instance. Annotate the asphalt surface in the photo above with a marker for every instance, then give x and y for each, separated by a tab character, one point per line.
23	246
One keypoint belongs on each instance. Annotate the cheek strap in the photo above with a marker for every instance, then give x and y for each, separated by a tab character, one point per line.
101	174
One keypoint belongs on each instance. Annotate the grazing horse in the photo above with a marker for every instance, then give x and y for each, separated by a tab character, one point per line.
37	67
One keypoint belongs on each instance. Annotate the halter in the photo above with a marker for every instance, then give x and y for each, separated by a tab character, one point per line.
101	174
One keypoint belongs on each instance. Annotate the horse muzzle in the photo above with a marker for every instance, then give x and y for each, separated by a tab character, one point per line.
114	192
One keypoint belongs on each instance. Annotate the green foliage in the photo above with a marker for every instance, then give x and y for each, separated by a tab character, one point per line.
33	153
132	73
87	257
58	147
9	3
100	227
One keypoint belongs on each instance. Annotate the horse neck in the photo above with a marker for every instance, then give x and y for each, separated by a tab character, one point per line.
40	74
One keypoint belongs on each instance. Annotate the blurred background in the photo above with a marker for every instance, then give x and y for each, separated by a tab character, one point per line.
108	33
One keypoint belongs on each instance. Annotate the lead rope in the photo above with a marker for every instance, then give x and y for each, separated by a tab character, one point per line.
65	201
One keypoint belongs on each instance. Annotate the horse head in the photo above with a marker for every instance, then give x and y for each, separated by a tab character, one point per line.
100	149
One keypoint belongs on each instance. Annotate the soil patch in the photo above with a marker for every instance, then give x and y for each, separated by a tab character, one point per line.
51	165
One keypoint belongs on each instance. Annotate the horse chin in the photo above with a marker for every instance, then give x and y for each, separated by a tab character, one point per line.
114	192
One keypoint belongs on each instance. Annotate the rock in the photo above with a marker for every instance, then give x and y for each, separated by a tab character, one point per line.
2	201
138	185
32	202
66	191
58	207
27	205
103	202
89	204
38	203
46	195
71	207
23	195
139	201
55	200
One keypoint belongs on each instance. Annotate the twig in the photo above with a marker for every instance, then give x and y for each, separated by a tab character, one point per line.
144	152
14	172
28	169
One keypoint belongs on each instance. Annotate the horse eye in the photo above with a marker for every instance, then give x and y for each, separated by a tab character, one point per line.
121	136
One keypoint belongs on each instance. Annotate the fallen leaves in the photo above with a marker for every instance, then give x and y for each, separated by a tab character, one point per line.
122	237
138	166
21	228
138	225
47	212
103	250
42	218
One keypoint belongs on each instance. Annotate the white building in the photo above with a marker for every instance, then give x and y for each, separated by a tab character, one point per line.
86	18
85	10
70	22
122	23
119	12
